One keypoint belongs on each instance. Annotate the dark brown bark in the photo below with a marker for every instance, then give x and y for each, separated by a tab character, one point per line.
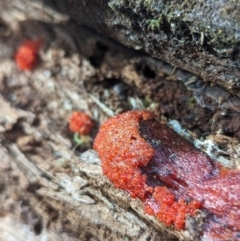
198	36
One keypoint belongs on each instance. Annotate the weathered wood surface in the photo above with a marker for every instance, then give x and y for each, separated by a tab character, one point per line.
197	41
50	193
47	192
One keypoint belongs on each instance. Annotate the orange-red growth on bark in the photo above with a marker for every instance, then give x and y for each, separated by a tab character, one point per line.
80	123
170	176
26	55
122	151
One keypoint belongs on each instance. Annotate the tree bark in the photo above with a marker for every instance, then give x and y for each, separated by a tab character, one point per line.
198	36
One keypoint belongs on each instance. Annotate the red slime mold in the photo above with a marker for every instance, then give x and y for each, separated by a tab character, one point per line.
80	123
170	176
27	54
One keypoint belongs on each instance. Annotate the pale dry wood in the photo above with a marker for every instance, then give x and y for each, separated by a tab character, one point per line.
49	196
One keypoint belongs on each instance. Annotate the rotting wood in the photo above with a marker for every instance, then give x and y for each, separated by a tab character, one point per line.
47	191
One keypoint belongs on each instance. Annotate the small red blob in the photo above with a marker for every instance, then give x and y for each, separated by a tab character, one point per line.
80	122
26	56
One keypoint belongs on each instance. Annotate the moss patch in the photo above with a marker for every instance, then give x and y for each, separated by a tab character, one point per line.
214	23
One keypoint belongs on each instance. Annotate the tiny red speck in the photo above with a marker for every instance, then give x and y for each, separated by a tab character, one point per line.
80	122
26	56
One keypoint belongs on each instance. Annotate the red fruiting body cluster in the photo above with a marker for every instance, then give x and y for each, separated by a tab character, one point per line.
163	205
122	151
168	174
80	123
26	56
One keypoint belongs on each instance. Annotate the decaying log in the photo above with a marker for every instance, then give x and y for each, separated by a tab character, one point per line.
49	192
201	37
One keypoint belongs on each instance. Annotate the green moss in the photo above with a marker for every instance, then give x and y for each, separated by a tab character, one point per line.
153	24
191	102
147	102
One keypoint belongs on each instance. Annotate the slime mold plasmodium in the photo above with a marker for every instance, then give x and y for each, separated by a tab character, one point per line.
26	55
81	125
170	176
